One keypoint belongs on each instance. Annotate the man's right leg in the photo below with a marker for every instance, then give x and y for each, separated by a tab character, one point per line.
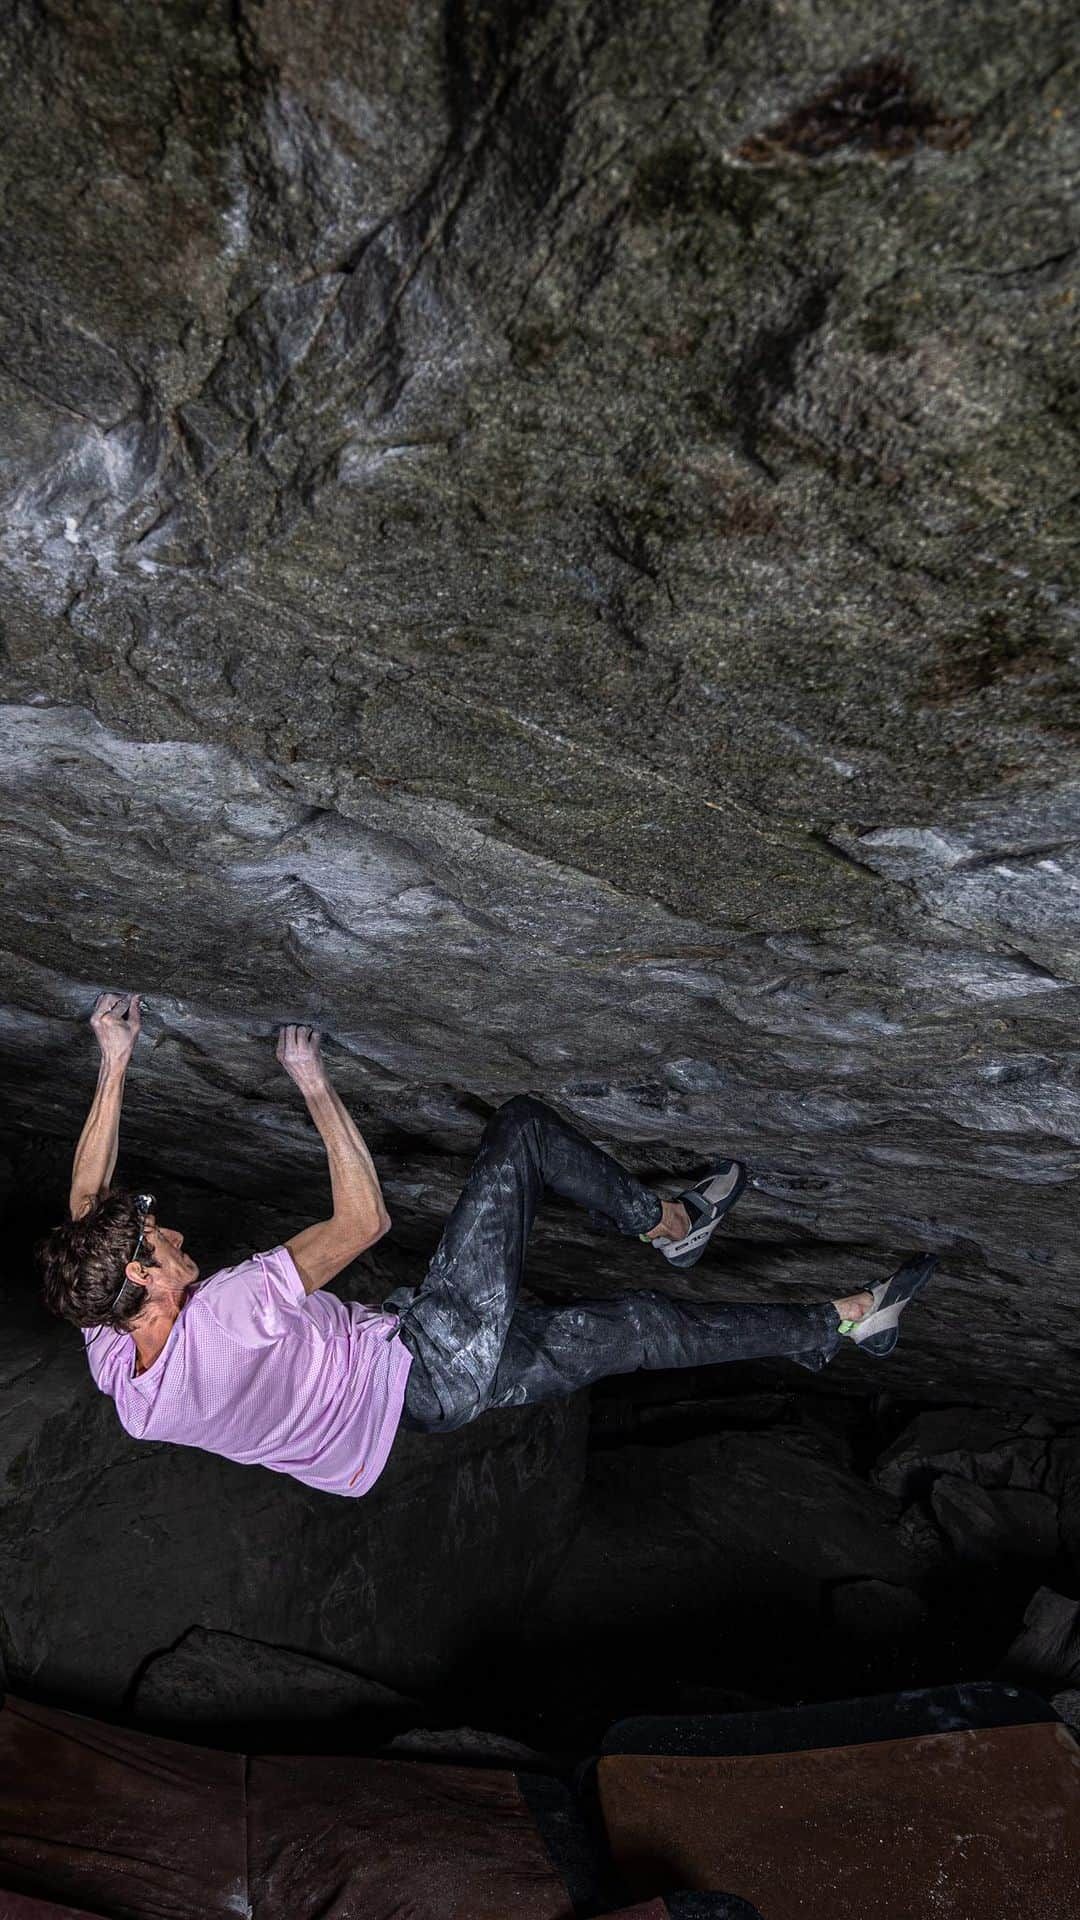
456	1324
553	1351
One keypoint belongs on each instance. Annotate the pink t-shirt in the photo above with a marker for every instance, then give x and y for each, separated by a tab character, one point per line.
264	1373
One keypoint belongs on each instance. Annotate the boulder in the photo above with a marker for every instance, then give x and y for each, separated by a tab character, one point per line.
987	1526
541	539
1067	1706
1046	1652
1065	1482
413	490
224	1680
988	1446
876	1612
469	1747
709	1563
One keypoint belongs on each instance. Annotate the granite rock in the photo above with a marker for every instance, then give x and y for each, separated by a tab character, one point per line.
1067	1706
469	1747
712	1563
987	1446
226	1681
541	540
874	1610
991	1526
1046	1652
1065	1484
534	543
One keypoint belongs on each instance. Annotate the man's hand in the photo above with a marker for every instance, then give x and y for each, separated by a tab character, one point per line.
298	1052
117	1021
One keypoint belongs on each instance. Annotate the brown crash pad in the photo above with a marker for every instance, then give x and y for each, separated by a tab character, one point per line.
119	1822
958	1825
363	1839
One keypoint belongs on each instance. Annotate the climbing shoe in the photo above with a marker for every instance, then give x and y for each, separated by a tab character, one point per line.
706	1203
877	1332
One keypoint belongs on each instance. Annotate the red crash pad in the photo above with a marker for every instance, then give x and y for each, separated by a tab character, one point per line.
384	1839
139	1828
20	1906
119	1822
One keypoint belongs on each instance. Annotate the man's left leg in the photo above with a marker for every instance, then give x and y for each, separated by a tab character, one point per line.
457	1322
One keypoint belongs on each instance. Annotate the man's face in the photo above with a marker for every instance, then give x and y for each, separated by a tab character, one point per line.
175	1270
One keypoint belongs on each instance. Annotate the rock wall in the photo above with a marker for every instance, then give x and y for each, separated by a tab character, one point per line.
539	539
542	540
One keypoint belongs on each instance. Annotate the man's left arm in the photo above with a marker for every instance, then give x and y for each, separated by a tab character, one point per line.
116	1021
360	1218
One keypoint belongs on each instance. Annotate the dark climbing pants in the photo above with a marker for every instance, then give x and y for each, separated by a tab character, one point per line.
475	1347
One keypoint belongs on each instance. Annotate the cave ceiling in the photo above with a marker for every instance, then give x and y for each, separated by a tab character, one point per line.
543	540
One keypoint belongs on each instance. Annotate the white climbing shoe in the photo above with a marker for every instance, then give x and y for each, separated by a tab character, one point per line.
706	1203
877	1332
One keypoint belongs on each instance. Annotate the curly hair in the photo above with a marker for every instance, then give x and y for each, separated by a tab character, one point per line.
82	1263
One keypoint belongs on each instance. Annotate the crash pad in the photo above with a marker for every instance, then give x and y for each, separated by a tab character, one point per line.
117	1821
964	1824
137	1827
395	1838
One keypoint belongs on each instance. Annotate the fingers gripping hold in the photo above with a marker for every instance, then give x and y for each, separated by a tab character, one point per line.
298	1050
117	1023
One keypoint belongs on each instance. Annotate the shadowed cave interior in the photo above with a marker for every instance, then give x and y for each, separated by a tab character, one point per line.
702	1540
542	541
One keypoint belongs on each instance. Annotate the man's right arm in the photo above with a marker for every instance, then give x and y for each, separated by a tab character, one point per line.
360	1217
116	1021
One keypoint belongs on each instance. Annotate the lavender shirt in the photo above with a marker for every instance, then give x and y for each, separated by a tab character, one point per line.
262	1372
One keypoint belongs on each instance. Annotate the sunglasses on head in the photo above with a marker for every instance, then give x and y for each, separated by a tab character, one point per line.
145	1203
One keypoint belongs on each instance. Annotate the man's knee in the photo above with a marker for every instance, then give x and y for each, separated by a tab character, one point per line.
515	1114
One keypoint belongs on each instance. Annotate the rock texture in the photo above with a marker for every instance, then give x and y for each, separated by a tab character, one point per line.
543	540
1046	1652
225	1680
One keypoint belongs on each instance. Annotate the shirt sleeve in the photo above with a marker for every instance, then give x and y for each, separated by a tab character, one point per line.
257	1300
109	1354
282	1276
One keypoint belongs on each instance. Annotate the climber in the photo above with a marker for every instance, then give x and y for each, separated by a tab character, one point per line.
259	1364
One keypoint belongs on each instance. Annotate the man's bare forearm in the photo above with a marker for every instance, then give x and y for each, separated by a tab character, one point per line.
116	1022
353	1180
95	1155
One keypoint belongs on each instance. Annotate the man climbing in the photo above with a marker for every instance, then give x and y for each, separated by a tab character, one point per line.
259	1364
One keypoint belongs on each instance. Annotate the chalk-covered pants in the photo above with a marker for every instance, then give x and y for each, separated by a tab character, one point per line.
474	1347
